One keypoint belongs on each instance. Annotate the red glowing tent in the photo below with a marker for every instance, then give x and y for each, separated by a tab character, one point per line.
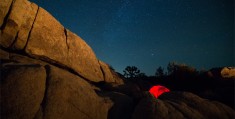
158	90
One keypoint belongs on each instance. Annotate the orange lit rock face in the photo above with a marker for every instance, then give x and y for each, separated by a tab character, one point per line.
59	45
16	22
48	72
158	90
31	29
228	72
22	89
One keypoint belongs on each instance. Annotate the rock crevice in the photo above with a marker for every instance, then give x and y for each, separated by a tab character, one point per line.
6	16
66	38
14	41
27	40
87	115
48	72
102	70
44	100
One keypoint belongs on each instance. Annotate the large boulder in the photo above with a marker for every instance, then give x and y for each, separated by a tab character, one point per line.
18	23
82	59
121	105
39	90
222	73
181	105
68	96
228	72
25	25
4	10
49	72
108	76
62	47
22	88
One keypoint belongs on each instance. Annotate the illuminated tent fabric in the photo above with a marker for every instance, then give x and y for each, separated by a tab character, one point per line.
158	90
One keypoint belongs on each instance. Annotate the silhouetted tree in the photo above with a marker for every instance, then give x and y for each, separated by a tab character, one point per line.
159	72
131	72
171	67
181	71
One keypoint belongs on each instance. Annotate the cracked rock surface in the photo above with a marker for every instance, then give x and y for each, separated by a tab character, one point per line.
22	90
48	72
32	88
32	30
69	96
17	23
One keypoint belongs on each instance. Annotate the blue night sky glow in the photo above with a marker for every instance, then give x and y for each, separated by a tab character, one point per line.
151	33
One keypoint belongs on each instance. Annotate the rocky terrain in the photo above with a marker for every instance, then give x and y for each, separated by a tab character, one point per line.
48	72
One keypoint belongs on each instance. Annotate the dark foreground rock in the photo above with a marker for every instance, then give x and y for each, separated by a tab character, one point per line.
181	105
69	96
22	90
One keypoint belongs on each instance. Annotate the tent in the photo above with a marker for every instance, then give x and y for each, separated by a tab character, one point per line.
158	90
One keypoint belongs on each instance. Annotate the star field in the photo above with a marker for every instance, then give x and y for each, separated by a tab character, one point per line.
151	33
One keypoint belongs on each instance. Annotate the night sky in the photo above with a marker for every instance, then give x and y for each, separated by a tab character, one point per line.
151	33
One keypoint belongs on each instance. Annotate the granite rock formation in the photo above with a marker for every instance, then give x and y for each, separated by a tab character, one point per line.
32	30
48	72
181	105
